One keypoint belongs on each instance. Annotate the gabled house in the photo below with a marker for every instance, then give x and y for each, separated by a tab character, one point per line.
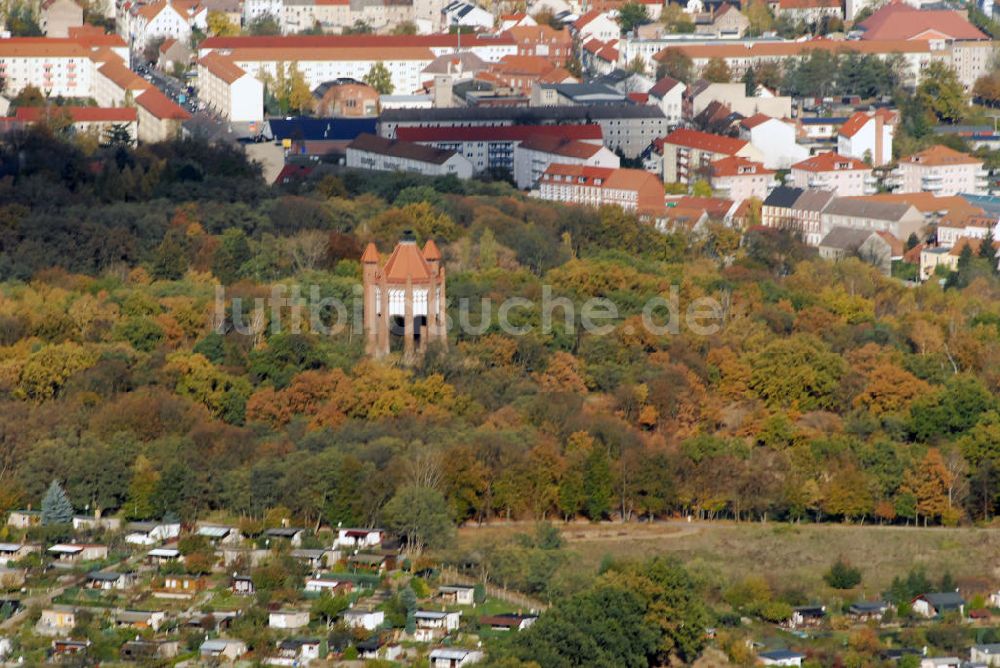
220	535
288	619
140	619
507	622
333	587
163	555
868	136
454	657
296	652
668	95
24	519
151	533
739	179
358	618
864	611
432	624
57	620
870	246
774	138
181	586
937	604
596	25
293	535
12	552
139	650
223	648
243	585
109	580
458	594
780	657
73	553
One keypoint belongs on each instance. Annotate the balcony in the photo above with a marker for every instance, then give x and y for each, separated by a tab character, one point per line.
871	189
932	178
818	182
896	173
932	187
982	173
871	179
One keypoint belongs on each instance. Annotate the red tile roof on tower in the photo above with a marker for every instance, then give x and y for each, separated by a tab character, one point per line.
736	165
940	155
160	106
370	255
431	252
78	114
583	132
704	141
898	20
406	262
830	162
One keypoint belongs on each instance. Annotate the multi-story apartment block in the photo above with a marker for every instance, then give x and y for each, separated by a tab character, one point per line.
942	171
740	179
491	149
845	176
688	154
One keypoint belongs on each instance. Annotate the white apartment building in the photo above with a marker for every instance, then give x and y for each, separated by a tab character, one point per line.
534	155
393	155
846	177
775	139
596	25
969	59
116	85
868	136
229	90
668	95
57	67
740	179
942	171
163	19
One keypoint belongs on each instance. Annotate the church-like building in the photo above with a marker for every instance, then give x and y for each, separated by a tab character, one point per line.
404	297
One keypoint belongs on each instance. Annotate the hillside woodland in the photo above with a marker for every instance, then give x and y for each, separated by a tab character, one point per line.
830	393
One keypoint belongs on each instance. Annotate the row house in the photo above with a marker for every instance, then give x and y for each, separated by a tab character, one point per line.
797	210
596	25
159	118
633	190
376	153
775	138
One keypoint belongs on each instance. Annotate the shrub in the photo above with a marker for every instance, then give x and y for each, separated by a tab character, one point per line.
842	575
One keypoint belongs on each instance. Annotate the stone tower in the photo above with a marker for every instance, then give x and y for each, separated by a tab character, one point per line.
405	297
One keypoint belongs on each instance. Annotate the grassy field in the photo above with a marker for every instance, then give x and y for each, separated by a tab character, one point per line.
789	556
